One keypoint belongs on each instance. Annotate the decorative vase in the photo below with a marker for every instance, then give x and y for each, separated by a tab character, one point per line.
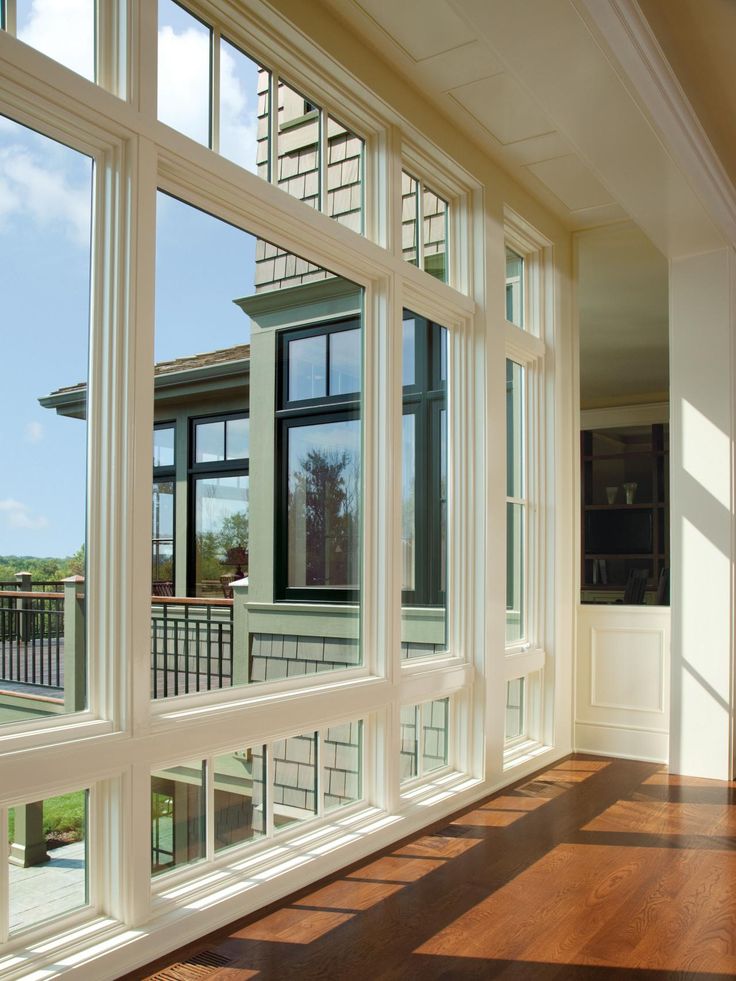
630	491
611	493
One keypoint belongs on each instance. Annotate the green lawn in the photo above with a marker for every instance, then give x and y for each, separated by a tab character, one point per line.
63	817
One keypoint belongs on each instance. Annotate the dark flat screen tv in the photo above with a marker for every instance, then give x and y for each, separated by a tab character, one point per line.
618	532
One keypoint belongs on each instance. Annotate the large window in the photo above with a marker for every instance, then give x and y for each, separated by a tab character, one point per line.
319	463
424	486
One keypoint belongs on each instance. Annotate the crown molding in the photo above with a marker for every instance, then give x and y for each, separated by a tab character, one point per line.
642	63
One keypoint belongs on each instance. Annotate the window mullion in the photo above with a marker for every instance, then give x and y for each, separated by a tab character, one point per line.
215	90
11	20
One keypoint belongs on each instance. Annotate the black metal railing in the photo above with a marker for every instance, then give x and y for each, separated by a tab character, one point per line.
32	638
191	645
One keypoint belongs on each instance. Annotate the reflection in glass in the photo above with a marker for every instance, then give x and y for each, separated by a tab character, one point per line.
209	442
45	200
515	708
239	796
345	154
324	504
294	780
409	751
434	234
62	30
221	531
410	218
162	537
408	502
342	765
307	367
298	146
514	288
241	108
163	446
516	504
424	488
184	54
237	433
515	625
345	362
434	734
47	859
177	816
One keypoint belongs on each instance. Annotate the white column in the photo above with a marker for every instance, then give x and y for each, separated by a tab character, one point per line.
702	321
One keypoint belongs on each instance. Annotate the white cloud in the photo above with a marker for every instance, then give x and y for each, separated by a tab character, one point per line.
19	515
238	116
184	88
34	432
183	81
31	189
64	30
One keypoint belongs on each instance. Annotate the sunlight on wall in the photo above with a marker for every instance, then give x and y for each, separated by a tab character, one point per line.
706	453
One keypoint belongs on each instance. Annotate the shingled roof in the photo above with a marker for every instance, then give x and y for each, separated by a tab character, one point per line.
239	352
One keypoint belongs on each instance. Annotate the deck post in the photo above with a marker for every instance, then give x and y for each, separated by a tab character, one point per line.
25	584
75	673
29	844
240	638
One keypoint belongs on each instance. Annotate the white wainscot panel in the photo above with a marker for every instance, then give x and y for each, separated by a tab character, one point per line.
622	681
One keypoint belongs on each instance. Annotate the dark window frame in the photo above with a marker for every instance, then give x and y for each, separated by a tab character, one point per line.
296	413
214	468
426	398
163	475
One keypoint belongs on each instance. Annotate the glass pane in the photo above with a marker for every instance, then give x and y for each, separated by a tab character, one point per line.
242	109
434	734
221	532
408	503
298	136
45	260
184	55
424	495
62	29
345	153
324	505
178	816
408	353
514	288
515	423
409	752
434	232
162	538
345	362
47	859
307	368
515	615
409	218
209	442
223	330
238	431
515	708
163	446
342	765
240	797
294	780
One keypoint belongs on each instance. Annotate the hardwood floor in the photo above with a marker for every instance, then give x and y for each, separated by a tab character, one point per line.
593	869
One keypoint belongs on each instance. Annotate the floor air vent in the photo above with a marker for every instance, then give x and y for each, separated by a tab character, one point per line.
200	965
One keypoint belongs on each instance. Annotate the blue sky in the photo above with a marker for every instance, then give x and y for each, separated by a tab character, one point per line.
45	195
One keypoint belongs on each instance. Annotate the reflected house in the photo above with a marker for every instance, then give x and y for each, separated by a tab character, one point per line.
257	456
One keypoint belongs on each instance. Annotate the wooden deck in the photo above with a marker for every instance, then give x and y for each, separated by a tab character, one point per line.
595	869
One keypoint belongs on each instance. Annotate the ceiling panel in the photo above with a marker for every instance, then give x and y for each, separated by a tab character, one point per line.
502	107
572	181
459	66
420	36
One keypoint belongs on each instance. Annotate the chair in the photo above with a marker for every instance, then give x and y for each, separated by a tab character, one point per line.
162	588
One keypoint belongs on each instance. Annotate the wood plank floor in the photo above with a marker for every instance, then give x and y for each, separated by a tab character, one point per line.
594	869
